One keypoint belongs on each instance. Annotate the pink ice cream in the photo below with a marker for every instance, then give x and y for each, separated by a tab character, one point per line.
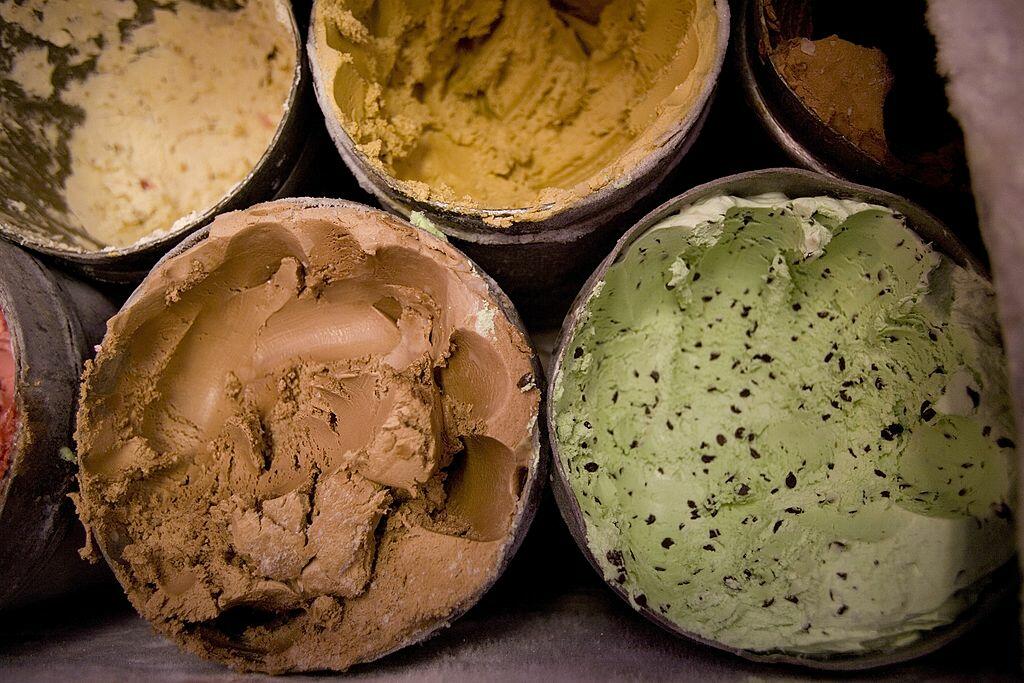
8	414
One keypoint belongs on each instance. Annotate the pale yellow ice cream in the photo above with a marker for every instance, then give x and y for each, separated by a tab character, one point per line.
177	105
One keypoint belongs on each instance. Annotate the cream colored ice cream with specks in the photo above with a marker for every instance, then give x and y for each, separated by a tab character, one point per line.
178	108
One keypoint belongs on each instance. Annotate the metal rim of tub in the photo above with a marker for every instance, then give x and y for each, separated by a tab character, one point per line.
53	321
569	223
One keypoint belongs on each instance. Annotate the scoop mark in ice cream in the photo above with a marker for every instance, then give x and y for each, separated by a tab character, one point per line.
835	479
295	447
512	103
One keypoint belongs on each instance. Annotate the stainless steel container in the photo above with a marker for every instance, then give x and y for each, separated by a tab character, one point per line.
538	262
54	323
808	140
793	183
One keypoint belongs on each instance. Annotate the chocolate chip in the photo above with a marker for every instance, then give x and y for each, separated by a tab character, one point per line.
590	467
640	599
578	353
720	439
892	431
667	543
1003	442
791	481
743	490
1002	511
655	375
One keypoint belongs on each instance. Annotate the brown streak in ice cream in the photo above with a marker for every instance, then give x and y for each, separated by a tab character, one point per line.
302	442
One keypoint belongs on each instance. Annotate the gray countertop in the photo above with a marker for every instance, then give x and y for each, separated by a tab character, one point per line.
549	618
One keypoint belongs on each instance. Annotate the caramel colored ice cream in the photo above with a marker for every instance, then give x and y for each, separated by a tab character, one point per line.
843	83
171	106
512	103
305	441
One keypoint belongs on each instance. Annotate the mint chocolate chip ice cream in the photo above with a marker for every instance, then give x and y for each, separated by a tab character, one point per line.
786	425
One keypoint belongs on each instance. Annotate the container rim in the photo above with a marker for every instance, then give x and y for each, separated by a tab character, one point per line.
467	222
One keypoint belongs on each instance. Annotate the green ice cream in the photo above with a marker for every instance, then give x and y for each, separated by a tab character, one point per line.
787	426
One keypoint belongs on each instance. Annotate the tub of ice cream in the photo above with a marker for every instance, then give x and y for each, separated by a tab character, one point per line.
127	125
781	424
48	325
310	438
852	90
520	128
